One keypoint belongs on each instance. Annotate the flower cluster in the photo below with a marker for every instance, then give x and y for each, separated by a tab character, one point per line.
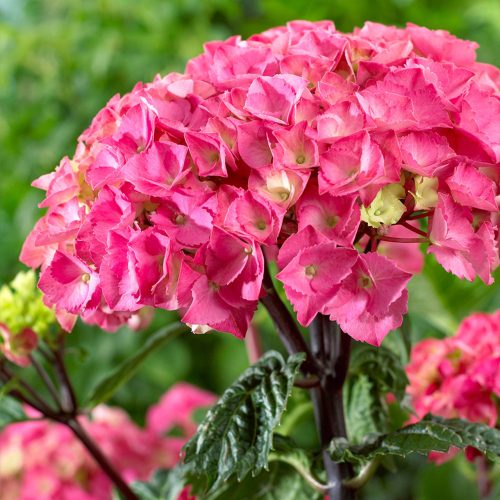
459	376
23	318
40	460
301	142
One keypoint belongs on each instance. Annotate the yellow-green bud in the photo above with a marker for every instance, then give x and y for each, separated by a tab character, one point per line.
21	306
425	192
386	208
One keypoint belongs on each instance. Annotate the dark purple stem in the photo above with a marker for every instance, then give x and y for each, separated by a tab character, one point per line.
331	347
327	363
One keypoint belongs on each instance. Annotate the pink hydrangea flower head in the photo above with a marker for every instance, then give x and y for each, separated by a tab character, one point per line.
459	376
302	142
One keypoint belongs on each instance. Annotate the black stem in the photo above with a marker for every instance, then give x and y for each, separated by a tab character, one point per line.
287	329
99	457
332	348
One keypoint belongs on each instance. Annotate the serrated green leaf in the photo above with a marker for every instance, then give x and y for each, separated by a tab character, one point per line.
123	372
383	367
286	479
280	482
363	409
11	411
164	485
430	434
373	373
236	435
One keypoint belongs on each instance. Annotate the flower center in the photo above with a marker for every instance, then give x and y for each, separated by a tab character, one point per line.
365	281
260	225
310	271
300	159
85	277
180	219
331	220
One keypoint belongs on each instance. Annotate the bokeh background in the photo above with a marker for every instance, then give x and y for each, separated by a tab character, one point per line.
61	60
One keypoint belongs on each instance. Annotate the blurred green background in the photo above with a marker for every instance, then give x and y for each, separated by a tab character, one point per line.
61	60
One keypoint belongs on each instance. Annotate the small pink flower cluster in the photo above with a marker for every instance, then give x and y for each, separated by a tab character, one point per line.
41	460
459	376
302	141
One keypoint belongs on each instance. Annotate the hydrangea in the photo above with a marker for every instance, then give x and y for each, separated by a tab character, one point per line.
41	460
459	376
301	142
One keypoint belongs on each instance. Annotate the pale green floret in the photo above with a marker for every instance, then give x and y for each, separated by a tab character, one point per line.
386	208
21	305
425	192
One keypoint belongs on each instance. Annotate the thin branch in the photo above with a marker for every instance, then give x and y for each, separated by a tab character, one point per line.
420	215
46	380
403	240
304	472
99	457
68	397
24	386
22	398
364	475
413	228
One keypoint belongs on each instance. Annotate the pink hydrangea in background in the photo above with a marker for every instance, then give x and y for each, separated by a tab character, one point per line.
302	142
459	376
41	460
175	411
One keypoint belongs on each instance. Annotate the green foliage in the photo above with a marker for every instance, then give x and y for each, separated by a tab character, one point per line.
439	301
21	305
236	436
373	373
164	485
123	372
280	482
10	411
430	434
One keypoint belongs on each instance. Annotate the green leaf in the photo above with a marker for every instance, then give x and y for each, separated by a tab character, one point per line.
280	482
383	367
236	435
11	411
123	372
364	412
430	434
289	476
164	485
373	373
